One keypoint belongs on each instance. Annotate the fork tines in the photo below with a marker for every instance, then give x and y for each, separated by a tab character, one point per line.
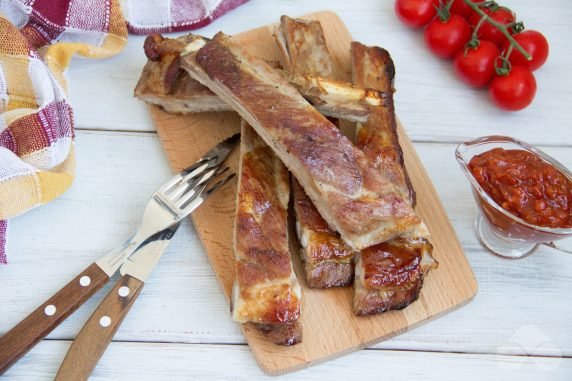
194	183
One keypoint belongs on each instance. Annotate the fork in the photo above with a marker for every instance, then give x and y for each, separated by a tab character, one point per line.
168	205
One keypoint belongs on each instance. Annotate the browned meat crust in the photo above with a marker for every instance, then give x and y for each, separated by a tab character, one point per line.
381	144
327	259
388	276
282	333
376	65
304	47
356	199
163	83
266	291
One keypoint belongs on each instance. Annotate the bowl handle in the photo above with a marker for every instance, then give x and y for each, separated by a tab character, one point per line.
562	249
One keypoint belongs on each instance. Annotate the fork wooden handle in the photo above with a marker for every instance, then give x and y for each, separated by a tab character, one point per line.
96	334
20	339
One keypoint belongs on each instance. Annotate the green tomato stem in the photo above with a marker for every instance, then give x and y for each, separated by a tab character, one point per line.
502	28
477	27
443	10
505	67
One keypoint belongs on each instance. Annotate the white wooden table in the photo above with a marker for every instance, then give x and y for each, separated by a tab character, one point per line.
519	326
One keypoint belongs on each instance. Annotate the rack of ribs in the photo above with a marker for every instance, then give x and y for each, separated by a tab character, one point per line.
388	276
163	83
353	196
327	259
266	292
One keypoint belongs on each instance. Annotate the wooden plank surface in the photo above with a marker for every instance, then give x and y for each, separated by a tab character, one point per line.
170	361
186	138
432	103
187	303
183	305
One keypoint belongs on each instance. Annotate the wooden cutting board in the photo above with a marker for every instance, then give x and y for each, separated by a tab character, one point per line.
330	327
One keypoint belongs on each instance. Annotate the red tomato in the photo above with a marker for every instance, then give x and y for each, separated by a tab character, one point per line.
476	66
415	13
459	7
489	32
514	91
535	44
445	38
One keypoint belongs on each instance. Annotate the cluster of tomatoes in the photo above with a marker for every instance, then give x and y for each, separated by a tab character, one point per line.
485	42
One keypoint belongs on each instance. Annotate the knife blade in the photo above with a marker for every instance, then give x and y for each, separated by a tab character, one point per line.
140	264
98	331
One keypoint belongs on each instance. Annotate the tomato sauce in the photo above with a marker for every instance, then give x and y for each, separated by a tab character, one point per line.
525	185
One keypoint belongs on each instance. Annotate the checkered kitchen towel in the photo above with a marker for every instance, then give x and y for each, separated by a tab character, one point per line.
37	40
163	16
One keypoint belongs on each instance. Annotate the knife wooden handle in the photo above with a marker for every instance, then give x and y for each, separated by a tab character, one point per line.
20	339
96	334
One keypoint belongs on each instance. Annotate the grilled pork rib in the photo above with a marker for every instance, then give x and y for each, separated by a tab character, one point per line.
388	276
303	47
266	292
378	138
164	84
350	193
327	259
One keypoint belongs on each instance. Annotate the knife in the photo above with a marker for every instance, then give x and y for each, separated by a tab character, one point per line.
44	319
96	334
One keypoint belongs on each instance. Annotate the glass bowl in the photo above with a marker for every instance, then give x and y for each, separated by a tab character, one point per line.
500	231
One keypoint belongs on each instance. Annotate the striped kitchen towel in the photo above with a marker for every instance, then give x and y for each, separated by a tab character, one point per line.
37	41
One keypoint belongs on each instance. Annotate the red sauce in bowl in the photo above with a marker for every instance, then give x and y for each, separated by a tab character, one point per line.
525	185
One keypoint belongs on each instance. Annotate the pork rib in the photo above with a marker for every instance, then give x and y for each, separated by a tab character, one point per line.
163	84
327	259
353	197
378	138
388	276
266	292
303	46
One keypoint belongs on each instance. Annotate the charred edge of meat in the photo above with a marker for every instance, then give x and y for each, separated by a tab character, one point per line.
391	275
281	333
385	66
389	67
374	304
151	46
328	274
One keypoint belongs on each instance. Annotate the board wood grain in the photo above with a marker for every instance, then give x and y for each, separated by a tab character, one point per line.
330	327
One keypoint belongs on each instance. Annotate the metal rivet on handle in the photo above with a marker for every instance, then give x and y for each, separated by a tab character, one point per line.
105	321
85	281
50	310
123	291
